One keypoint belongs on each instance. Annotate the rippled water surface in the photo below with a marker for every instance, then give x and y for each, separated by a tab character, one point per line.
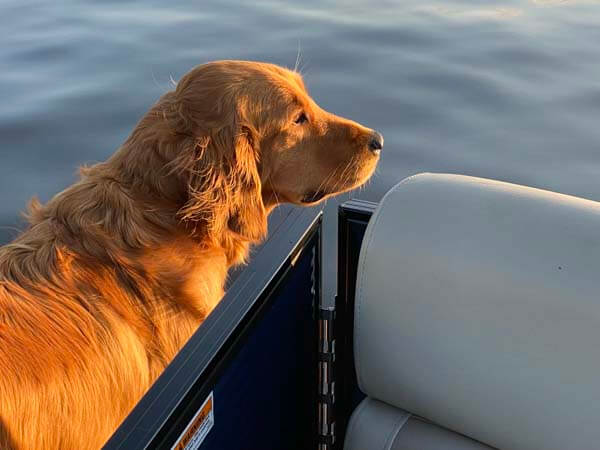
506	90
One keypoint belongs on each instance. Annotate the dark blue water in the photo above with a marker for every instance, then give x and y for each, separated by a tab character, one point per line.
507	90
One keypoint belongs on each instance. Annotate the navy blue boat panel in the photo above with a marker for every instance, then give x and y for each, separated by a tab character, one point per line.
266	395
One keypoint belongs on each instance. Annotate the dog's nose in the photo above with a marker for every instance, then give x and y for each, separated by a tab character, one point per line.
376	143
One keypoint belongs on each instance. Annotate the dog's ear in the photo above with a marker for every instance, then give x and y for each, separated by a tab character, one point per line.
233	153
219	157
247	215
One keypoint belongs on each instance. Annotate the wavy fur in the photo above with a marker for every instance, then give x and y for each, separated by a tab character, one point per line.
115	273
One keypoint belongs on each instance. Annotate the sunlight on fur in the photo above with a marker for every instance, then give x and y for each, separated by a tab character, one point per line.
114	274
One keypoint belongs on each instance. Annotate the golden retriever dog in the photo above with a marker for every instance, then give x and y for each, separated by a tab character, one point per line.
114	274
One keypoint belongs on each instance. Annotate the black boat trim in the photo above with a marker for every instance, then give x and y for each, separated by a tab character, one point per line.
165	410
353	218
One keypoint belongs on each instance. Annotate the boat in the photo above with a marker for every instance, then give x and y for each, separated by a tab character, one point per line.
467	317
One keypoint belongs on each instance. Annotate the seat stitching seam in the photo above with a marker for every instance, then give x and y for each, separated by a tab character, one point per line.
395	430
358	411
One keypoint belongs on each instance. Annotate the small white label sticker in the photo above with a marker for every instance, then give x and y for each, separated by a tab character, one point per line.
198	427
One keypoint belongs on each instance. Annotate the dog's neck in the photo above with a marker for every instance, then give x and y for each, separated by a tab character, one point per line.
135	205
99	226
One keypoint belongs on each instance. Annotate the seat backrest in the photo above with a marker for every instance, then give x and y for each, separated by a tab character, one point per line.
478	308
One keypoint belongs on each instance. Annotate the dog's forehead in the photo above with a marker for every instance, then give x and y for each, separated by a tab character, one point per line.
284	77
286	90
288	84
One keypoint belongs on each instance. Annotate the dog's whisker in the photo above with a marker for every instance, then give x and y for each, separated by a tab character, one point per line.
298	56
273	189
155	81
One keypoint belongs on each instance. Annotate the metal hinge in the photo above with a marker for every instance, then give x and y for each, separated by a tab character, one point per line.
326	394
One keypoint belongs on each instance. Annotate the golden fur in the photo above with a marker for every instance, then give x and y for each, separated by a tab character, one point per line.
115	273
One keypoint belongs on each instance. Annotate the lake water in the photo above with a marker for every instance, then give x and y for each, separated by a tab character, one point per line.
507	90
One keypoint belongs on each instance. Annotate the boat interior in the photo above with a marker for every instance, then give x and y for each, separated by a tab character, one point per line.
467	316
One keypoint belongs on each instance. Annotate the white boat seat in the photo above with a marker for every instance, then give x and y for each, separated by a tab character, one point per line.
477	319
376	425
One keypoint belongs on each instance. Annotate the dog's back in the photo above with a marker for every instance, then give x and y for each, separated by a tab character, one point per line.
81	334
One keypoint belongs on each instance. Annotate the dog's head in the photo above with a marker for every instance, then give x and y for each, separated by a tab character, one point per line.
248	137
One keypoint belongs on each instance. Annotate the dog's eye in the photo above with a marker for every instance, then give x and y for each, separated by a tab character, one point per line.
301	119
